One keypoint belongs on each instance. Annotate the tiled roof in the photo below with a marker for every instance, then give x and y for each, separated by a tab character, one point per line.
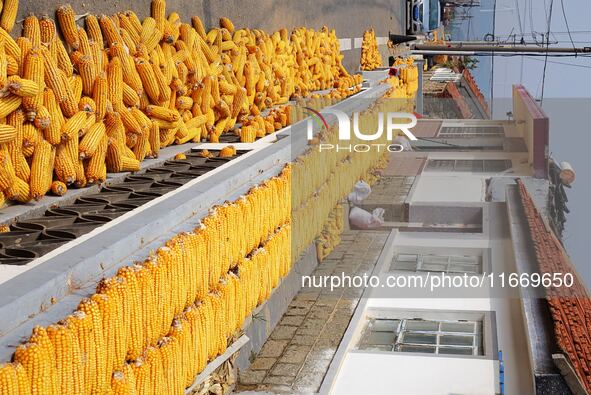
476	90
570	307
451	90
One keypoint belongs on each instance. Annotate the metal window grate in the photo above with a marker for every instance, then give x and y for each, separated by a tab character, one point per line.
468	165
470	264
423	336
472	131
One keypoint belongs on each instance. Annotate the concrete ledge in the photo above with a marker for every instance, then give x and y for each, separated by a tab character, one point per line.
216	363
536	316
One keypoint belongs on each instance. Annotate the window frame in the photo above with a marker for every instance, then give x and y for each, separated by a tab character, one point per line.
487	334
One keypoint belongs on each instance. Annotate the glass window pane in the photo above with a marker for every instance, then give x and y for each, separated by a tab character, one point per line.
376	347
470	269
408	266
422	349
456	351
379	325
373	338
435	259
419	338
465	327
420	325
456	340
406	258
465	259
433	267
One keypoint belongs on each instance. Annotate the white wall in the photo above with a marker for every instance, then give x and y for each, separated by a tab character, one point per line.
384	373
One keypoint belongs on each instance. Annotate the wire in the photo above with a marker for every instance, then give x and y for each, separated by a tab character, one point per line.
547	47
566	22
492	69
562	63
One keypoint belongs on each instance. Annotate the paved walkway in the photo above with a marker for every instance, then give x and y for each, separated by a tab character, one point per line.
300	349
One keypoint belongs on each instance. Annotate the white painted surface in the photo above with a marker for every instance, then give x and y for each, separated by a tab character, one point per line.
357	42
345	44
435	188
391	373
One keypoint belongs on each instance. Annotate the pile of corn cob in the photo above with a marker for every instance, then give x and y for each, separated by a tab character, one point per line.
119	89
371	58
155	325
407	84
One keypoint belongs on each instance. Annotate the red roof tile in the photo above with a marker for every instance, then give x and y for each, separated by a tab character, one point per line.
570	307
474	87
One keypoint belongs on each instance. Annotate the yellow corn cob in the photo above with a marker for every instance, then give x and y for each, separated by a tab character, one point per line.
34	71
43	120
93	29
158	9
12	67
23	87
148	78
66	19
65	169
163	113
100	95
19	191
8	104
58	188
88	73
53	133
130	97
130	30
47	30
110	31
9	11
73	125
91	140
98	374
42	169
68	360
75	85
163	84
115	81
7	133
87	104
32	30
11	47
84	42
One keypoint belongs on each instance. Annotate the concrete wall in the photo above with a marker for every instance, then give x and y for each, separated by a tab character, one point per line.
534	126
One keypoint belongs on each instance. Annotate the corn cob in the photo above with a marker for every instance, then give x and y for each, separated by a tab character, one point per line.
92	139
73	125
64	167
7	134
148	78
42	169
46	30
87	73
94	30
110	31
9	11
23	87
8	104
43	121
66	19
100	95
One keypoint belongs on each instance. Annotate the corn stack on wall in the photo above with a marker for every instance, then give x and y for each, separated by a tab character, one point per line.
371	58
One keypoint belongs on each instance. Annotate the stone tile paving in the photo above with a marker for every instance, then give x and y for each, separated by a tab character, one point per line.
298	353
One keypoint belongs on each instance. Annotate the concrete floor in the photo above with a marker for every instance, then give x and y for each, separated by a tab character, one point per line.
350	18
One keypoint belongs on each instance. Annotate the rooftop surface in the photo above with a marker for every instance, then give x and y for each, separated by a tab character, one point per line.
570	308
